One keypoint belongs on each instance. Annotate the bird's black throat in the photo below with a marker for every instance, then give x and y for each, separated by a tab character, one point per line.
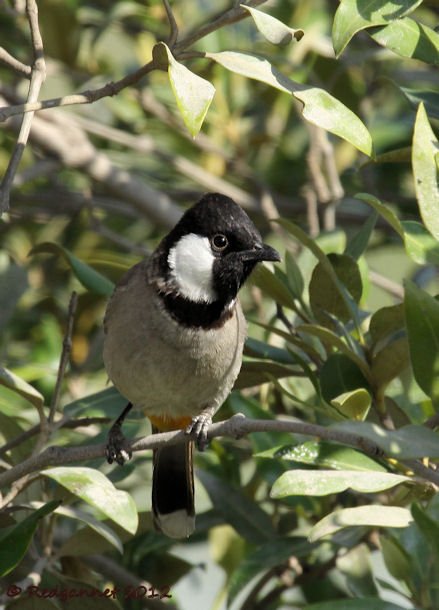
196	315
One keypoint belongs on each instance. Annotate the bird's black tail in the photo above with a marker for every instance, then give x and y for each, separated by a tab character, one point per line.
173	490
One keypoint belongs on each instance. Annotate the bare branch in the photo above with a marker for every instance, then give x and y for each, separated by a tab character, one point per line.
15	64
236	426
38	76
65	354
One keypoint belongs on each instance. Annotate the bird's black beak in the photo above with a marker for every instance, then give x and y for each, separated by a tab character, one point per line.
261	252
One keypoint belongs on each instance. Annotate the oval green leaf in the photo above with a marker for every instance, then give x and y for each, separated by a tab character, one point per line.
326	482
193	94
339	374
352	16
425	147
419	243
272	29
353	405
373	515
422	320
320	108
409	38
15	542
96	490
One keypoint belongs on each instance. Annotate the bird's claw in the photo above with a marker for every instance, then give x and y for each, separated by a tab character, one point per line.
117	447
199	427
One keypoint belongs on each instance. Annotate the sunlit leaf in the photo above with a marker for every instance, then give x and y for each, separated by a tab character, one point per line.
352	16
193	94
274	30
325	455
422	319
372	515
95	489
320	107
325	482
354	404
425	147
419	244
409	38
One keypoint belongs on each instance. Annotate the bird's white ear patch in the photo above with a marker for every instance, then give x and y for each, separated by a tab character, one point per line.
191	264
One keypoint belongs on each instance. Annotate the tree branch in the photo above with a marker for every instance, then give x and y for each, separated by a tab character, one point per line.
15	64
38	76
237	426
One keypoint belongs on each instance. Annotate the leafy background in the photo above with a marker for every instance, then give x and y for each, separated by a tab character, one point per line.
321	123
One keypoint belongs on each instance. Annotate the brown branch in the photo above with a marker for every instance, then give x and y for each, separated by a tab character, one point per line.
237	426
65	354
172	24
38	76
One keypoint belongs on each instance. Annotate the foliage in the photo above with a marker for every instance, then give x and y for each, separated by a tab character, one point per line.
320	116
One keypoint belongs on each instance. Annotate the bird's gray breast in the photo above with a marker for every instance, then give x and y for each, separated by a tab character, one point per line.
161	366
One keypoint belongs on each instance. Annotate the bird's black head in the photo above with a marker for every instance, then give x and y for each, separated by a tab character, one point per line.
210	253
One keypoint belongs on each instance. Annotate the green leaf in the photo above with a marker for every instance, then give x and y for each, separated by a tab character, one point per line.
16	540
428	526
390	362
339	374
192	93
89	278
320	108
18	385
354	404
96	490
274	30
352	16
428	97
386	321
259	349
408	38
372	515
325	296
254	373
324	454
325	262
326	482
330	339
294	275
425	147
269	555
366	603
101	528
422	320
272	286
357	245
248	519
406	443
419	244
396	558
383	210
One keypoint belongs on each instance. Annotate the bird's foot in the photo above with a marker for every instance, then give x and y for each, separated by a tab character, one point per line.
199	427
117	449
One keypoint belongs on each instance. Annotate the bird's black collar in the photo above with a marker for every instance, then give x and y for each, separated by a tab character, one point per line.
195	315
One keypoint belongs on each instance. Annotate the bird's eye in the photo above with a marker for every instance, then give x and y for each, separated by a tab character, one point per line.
219	242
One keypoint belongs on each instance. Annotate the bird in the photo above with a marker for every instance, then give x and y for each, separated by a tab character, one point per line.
174	336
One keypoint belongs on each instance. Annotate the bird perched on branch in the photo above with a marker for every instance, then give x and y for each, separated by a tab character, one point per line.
174	335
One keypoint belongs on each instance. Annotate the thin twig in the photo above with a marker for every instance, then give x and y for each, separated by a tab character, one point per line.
70	424
172	24
393	288
15	64
38	76
236	426
65	354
